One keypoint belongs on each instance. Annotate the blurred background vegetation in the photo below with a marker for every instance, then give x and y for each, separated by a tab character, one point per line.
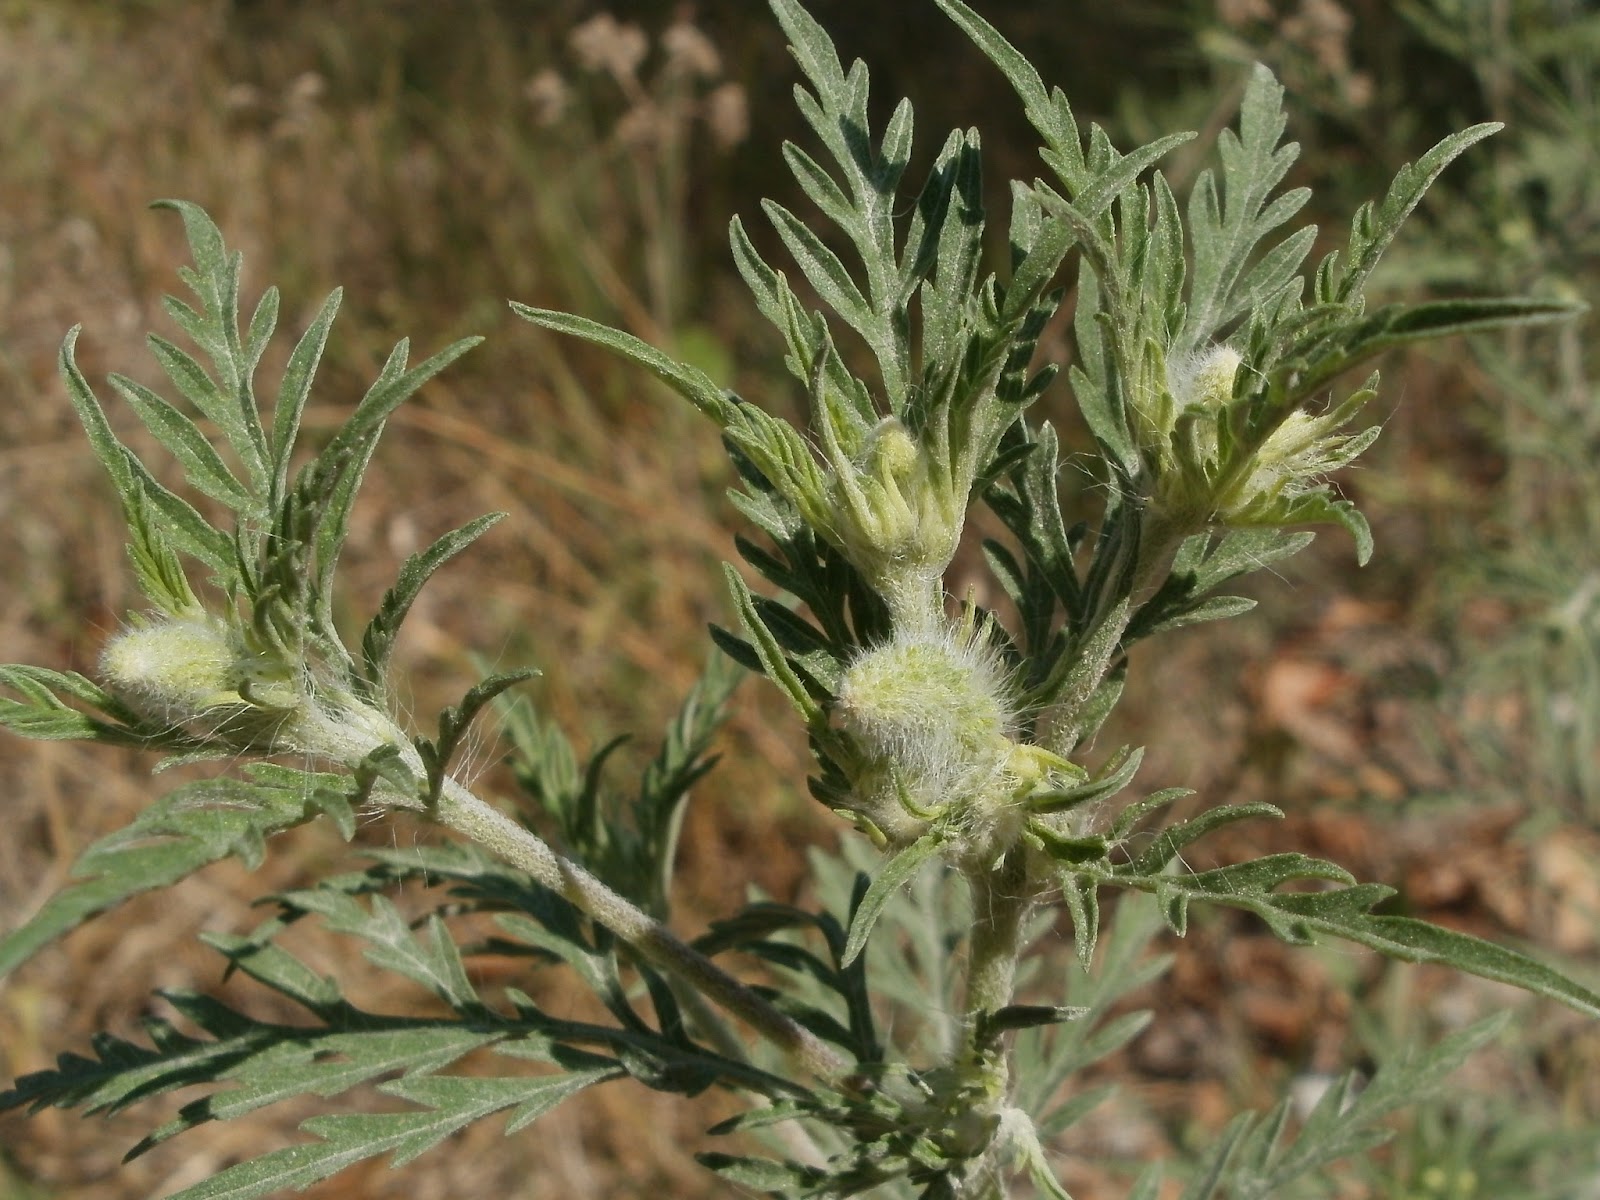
1432	721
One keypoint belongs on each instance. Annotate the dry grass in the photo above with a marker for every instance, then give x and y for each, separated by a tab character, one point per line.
433	177
429	207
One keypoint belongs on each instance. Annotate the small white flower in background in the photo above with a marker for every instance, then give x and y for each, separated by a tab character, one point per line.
549	95
690	52
727	115
603	43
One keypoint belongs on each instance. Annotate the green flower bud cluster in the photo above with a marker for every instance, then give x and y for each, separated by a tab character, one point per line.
1296	458
1201	474
896	518
203	675
930	720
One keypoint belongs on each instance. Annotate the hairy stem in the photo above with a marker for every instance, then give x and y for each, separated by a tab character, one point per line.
1159	539
1001	900
462	811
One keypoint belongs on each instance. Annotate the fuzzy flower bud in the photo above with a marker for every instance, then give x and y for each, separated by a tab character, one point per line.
1194	396
1184	389
204	676
192	672
1296	458
896	521
930	714
1200	479
1203	379
183	665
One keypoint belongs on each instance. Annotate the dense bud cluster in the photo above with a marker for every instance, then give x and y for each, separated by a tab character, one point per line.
895	519
193	672
930	718
200	674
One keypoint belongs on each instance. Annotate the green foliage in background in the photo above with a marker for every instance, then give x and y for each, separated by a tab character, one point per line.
1537	200
1211	359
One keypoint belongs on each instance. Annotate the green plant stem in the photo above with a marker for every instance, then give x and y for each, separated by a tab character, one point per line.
1001	900
1100	648
462	811
915	599
1160	537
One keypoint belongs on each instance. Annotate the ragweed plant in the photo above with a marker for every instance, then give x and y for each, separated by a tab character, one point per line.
1209	367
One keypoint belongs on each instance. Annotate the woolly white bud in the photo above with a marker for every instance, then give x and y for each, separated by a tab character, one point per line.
172	669
1203	379
199	674
930	712
897	520
193	673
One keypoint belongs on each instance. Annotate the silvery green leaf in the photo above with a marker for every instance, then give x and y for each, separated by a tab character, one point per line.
1318	507
957	221
689	382
294	390
431	959
1068	849
808	646
1039	1172
1081	895
187	829
1025	1016
1227	223
182	526
1115	775
449	1103
228	401
202	465
155	560
1095	386
774	661
1350	345
761	1174
827	275
43	713
198	388
1345	912
1213	608
1254	1160
1050	114
261	958
329	483
805	334
894	875
1129	818
378	641
836	110
1105	984
1174	838
1340	278
455	720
